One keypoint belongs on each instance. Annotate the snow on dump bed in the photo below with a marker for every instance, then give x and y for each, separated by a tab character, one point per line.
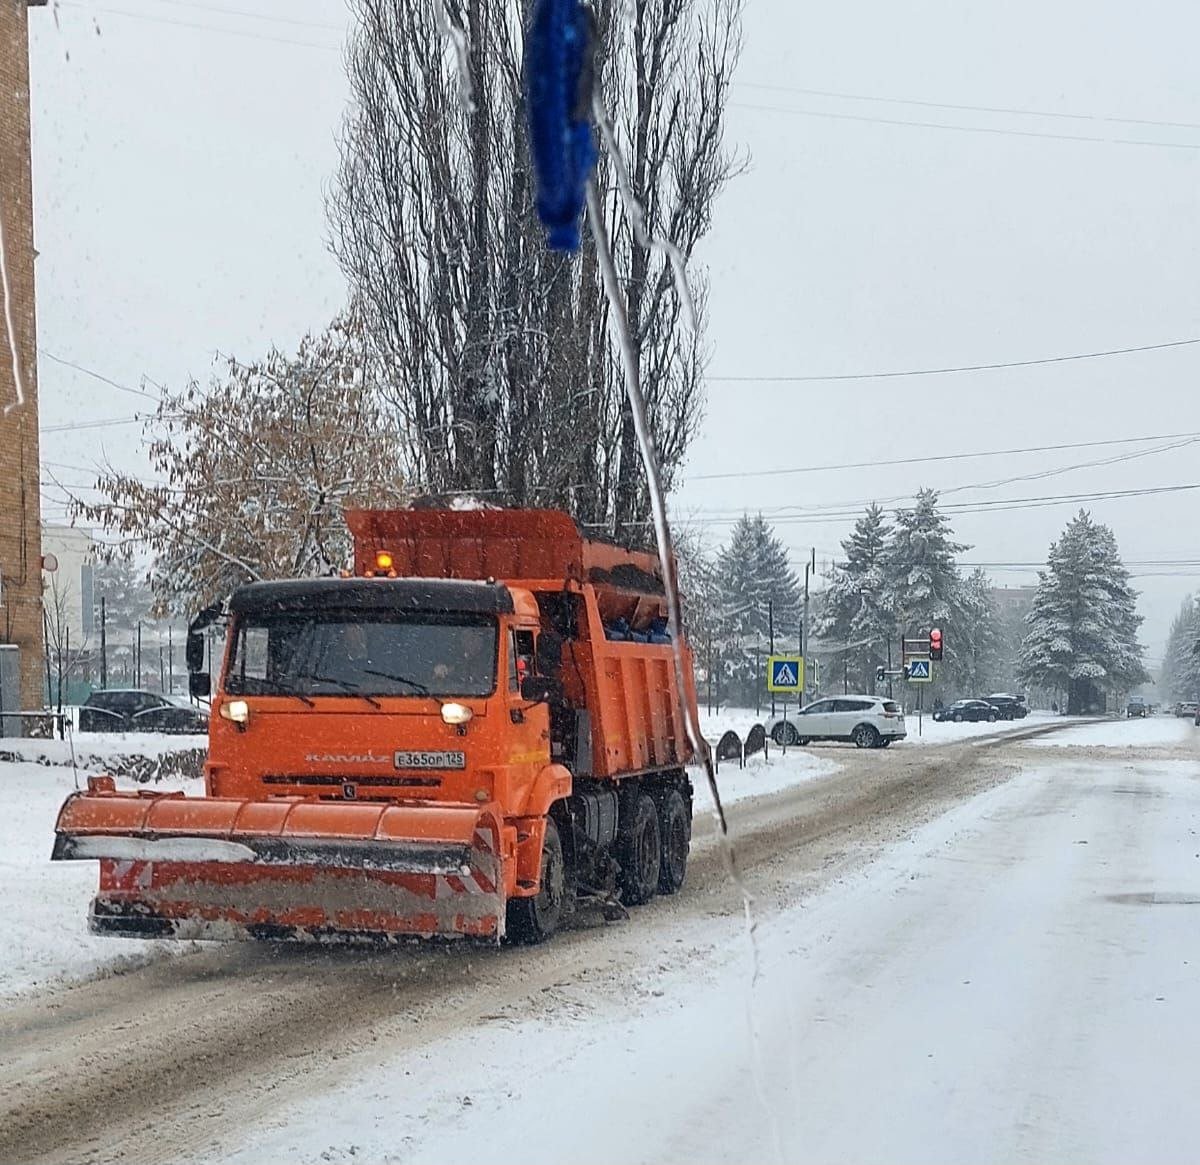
1144	732
44	904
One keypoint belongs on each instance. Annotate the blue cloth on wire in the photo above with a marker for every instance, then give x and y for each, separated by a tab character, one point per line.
560	48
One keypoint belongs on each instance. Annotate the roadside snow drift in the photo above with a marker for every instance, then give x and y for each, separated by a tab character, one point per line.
44	904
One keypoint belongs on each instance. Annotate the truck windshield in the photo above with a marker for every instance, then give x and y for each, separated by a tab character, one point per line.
334	654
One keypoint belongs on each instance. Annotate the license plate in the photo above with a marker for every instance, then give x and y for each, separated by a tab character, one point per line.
431	760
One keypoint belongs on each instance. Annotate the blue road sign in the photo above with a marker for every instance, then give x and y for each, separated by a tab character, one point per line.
785	673
920	671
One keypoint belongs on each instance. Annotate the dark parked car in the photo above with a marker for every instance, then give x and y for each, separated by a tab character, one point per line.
1010	707
967	710
132	710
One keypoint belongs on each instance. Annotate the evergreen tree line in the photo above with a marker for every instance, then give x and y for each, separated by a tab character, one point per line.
1181	664
900	577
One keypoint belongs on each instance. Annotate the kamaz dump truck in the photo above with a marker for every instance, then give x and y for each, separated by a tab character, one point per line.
472	730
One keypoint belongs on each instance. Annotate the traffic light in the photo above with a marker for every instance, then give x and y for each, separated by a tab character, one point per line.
880	675
935	644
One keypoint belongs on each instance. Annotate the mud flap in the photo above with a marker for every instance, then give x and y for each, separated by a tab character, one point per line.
220	868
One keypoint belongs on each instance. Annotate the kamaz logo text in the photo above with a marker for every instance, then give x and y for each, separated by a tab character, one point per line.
347	758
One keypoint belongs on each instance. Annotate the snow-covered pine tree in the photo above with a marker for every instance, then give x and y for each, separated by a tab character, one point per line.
854	617
1181	663
923	583
974	637
1083	628
753	575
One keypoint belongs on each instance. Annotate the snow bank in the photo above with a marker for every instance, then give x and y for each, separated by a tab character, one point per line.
762	775
1150	731
138	756
44	904
935	732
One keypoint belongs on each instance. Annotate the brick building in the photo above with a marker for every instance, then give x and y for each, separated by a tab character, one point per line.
20	528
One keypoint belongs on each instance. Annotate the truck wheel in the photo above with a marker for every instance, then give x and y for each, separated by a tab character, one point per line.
675	829
533	920
641	854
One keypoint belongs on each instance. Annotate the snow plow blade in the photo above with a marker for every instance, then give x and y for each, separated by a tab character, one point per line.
292	869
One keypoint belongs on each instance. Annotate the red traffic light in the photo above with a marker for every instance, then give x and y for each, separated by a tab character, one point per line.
935	644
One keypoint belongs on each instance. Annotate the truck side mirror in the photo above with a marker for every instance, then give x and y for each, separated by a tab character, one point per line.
194	651
540	689
199	685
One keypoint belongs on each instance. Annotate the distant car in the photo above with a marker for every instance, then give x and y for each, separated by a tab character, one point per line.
962	710
866	721
1187	708
133	710
1009	706
1136	708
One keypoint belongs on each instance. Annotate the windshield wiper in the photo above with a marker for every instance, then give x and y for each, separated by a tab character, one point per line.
345	685
416	685
274	685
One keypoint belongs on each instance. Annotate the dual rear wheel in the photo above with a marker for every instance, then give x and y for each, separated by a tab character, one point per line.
652	852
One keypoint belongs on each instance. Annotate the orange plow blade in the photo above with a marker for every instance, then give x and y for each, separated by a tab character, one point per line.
209	867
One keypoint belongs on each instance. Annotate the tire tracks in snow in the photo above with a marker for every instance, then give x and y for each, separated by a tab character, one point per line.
169	1061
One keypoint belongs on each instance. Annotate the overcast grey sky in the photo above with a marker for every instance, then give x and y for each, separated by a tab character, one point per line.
180	154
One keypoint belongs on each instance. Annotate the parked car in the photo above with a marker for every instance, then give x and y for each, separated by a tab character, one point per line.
132	710
1136	708
866	721
1009	706
1187	708
962	710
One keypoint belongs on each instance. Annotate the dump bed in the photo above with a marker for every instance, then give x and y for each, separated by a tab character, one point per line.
626	684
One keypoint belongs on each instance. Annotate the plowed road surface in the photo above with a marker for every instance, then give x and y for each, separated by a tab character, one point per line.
982	952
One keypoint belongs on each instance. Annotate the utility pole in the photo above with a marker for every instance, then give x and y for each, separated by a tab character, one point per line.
171	657
137	665
103	649
811	565
771	636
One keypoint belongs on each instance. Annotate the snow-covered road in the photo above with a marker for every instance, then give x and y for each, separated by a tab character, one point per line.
1016	981
978	952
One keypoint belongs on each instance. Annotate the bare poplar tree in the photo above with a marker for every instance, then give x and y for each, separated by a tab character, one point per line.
251	474
499	354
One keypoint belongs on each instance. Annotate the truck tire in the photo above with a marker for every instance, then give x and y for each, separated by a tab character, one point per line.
641	854
675	831
533	920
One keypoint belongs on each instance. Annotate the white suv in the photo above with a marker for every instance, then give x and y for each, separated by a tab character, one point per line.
867	721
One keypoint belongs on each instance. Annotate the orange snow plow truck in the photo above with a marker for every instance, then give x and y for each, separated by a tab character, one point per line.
477	728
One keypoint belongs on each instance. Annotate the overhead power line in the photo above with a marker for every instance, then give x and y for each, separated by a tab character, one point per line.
1016	111
995	505
246	34
242	12
828	467
96	375
892	374
985	129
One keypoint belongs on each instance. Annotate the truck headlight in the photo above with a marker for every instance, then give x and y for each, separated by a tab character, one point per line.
236	710
456	713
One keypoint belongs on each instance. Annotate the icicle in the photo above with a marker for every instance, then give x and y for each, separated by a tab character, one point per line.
10	327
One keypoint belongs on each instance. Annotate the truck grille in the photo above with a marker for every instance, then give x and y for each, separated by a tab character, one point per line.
371	781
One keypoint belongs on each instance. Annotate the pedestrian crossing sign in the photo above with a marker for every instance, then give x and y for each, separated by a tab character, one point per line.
920	671
785	673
